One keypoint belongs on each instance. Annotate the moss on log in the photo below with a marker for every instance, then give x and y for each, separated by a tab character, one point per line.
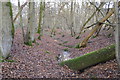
91	58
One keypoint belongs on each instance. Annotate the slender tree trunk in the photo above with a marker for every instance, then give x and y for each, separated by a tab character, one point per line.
0	29
6	29
72	19
101	5
55	22
43	21
31	24
117	10
21	8
0	39
99	25
42	6
21	21
84	42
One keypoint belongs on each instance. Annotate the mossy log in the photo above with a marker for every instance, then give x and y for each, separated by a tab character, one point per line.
91	58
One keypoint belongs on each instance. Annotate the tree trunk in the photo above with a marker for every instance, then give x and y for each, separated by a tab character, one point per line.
72	21
19	12
21	21
91	58
31	24
0	29
6	29
55	21
0	39
40	19
99	25
101	5
117	34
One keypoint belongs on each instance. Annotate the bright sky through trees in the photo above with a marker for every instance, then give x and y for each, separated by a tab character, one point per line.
15	2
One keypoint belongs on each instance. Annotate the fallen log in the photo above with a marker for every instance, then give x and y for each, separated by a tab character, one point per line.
91	58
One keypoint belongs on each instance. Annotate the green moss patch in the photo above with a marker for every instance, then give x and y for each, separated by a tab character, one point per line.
66	49
65	42
28	43
47	52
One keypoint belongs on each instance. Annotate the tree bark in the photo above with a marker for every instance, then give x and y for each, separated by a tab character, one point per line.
117	33
21	20
31	24
40	19
72	19
0	29
6	29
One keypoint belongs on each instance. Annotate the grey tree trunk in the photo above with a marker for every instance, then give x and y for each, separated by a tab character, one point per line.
41	13
117	10
0	28
21	21
6	29
31	24
72	19
19	11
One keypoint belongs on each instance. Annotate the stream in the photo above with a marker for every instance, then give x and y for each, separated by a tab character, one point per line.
64	56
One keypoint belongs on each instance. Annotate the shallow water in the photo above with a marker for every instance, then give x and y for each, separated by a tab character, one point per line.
64	56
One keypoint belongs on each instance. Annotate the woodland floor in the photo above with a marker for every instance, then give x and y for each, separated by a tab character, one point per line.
39	60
